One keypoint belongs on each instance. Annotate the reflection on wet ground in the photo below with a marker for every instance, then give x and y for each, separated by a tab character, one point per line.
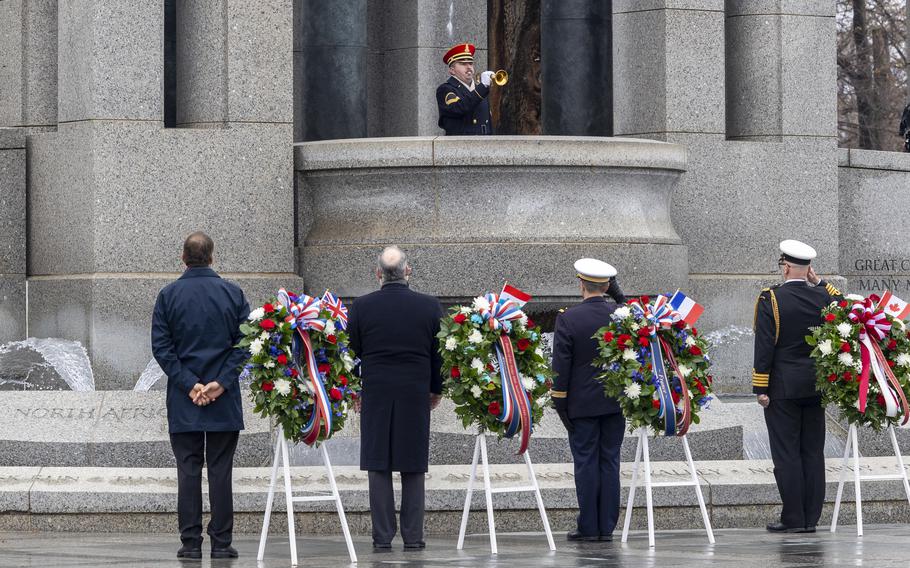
882	546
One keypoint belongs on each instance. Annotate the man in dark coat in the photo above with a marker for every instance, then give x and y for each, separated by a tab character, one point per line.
393	332
783	378
195	327
462	101
595	424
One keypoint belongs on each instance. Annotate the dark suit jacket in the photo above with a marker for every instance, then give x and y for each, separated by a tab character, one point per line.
195	327
393	332
463	111
575	387
782	366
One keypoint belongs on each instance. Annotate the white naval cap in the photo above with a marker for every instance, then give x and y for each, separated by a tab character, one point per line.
594	270
796	252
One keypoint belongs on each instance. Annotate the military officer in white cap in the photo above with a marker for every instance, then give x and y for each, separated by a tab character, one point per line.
783	378
594	422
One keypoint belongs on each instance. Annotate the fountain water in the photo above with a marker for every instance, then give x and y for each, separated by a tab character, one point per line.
45	364
150	379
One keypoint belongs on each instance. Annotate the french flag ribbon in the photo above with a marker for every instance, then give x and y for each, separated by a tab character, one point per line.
501	313
874	327
304	315
660	315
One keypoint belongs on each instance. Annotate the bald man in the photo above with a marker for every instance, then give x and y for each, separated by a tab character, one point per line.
393	332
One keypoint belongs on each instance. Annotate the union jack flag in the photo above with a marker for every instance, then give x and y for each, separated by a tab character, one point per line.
336	308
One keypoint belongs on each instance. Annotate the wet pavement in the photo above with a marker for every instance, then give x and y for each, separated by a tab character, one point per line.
882	546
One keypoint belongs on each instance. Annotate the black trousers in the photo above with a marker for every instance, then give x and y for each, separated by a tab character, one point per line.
216	449
796	430
382	507
595	444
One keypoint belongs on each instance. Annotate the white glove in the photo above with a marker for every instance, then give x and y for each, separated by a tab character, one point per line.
486	78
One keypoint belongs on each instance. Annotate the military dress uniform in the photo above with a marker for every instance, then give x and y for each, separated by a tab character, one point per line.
463	110
595	423
784	371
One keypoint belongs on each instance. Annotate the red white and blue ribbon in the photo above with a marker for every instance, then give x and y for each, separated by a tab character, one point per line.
516	406
874	327
304	315
336	309
660	315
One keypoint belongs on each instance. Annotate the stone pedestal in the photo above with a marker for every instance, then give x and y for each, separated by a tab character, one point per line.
474	211
12	234
576	67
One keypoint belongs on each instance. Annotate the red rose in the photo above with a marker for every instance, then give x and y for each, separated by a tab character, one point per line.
880	400
294	372
694	332
845	347
832	377
608	337
695	350
331	339
455	372
645	299
494	408
848	376
335	394
324	367
892	345
267	386
282	359
267	324
701	388
459	318
622	339
523	344
343	380
875	298
710	379
842	303
530	323
891	363
490	367
643	341
655	403
268	308
680	325
643	332
830	317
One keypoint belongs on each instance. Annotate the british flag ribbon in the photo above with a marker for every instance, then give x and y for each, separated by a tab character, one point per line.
660	315
874	327
303	316
337	311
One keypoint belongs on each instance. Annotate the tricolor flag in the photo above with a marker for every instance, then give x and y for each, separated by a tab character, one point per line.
894	306
688	309
510	293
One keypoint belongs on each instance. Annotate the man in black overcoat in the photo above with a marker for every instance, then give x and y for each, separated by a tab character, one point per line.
393	332
594	422
195	327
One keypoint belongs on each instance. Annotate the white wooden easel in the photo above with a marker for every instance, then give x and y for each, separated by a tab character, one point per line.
857	478
281	449
480	449
642	451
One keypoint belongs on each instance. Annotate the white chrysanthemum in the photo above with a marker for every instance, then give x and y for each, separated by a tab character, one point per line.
903	359
256	314
269	364
523	319
264	337
633	390
684	371
477	365
256	346
846	359
476	392
475	337
854	297
283	387
634	326
825	347
451	344
480	304
628	355
528	383
690	341
464	310
538	352
622	312
329	328
844	329
347	361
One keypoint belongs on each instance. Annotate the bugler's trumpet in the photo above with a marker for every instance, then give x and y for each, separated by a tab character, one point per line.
501	77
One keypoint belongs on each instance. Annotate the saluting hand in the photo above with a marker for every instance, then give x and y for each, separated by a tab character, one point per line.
812	277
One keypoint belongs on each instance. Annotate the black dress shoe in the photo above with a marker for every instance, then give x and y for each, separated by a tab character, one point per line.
228	552
577	536
605	538
419	545
382	547
782	528
193	552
